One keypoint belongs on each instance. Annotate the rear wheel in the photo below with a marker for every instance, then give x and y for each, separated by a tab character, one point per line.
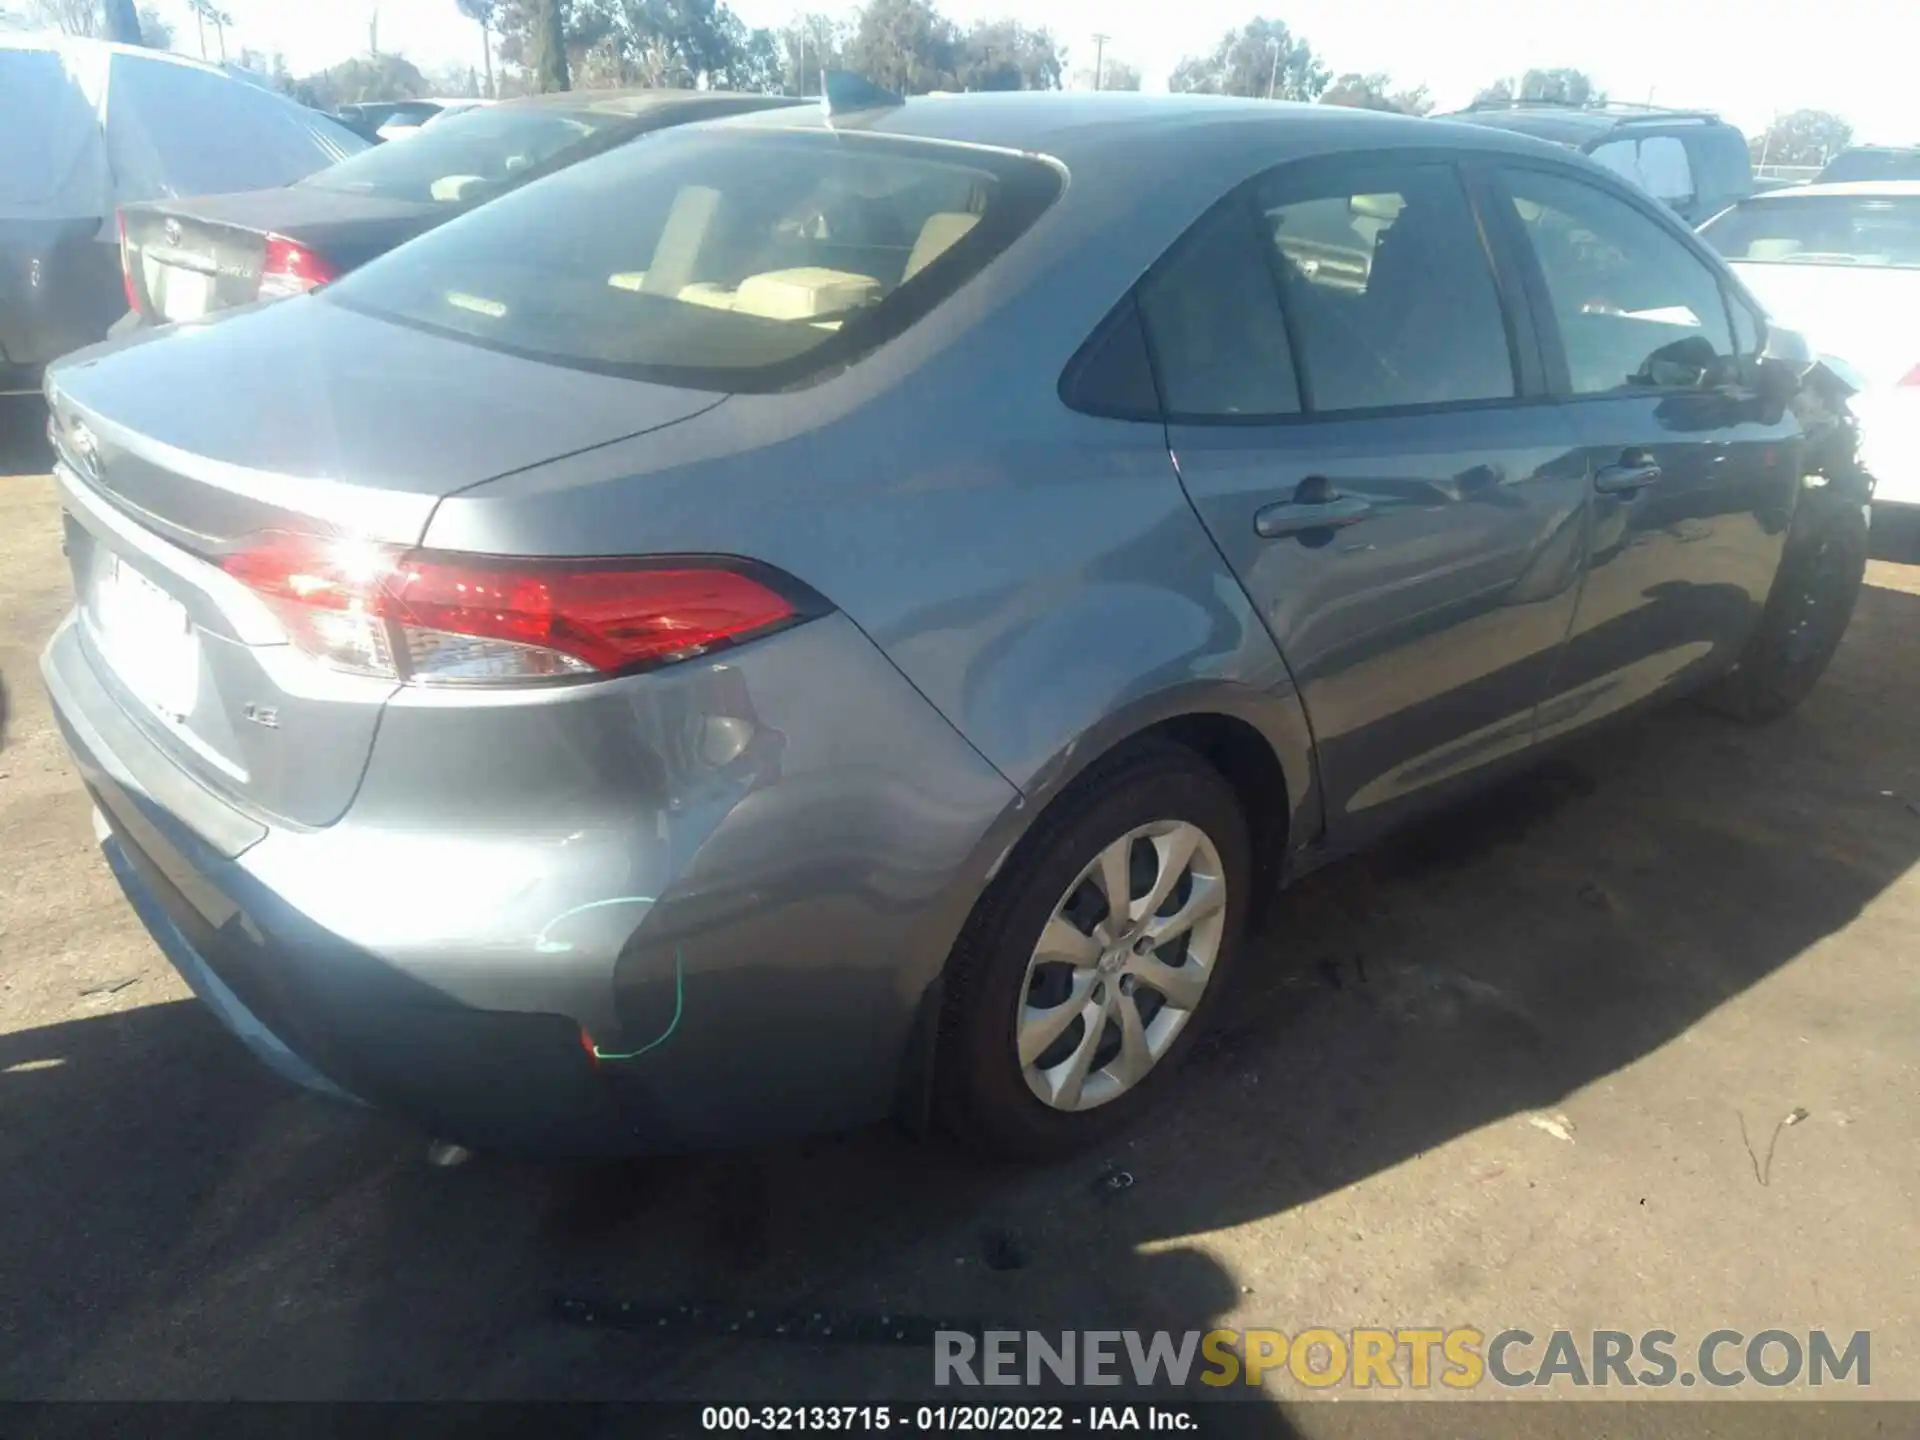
1805	618
1089	968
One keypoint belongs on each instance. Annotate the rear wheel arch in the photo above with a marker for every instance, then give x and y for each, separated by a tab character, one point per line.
1149	777
1269	768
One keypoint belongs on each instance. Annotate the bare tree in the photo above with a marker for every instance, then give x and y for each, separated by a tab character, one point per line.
70	17
96	19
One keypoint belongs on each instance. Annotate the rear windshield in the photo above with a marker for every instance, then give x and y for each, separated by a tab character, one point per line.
720	259
1873	165
466	157
1821	230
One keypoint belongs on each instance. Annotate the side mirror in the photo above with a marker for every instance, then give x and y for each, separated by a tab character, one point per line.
1788	350
1786	360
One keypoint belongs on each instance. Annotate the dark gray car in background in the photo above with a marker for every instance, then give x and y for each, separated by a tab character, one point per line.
184	258
817	617
1691	160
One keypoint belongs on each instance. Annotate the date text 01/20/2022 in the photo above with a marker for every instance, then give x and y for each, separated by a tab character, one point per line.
923	1419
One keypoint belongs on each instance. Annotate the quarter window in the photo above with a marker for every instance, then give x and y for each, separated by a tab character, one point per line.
1634	307
1388	290
1213	317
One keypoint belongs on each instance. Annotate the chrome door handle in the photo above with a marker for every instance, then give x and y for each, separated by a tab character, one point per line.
1293	517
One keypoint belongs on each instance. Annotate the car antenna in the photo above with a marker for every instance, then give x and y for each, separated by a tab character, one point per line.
845	93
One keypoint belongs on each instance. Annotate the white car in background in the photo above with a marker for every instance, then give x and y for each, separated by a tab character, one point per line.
1841	263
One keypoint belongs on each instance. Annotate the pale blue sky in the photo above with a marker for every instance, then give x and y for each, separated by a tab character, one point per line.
1746	59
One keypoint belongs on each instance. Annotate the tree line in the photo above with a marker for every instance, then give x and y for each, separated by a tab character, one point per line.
907	45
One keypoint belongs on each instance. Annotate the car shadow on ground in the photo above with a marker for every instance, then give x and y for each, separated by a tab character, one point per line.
23	436
181	1224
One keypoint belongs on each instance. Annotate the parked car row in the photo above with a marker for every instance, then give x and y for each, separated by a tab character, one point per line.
188	257
853	610
1691	160
382	120
91	127
1841	262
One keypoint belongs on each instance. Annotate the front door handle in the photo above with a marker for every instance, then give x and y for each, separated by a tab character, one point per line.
1632	473
1316	505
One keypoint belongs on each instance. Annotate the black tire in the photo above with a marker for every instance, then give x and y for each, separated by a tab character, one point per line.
1805	618
983	1096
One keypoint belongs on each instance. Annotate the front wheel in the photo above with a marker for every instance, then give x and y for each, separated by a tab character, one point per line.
1806	616
1088	969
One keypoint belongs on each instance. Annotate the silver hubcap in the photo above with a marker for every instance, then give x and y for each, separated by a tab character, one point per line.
1121	965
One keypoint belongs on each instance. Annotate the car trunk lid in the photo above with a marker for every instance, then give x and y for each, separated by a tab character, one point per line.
184	447
189	258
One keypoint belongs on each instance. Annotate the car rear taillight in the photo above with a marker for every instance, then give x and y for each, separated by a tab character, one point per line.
290	269
447	619
126	263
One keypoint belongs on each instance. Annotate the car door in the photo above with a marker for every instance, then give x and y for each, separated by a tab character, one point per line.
1356	416
1694	473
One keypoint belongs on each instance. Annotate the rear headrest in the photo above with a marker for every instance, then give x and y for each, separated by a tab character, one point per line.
943	230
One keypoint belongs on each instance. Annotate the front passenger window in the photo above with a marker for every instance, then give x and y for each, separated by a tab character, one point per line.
1636	310
1388	289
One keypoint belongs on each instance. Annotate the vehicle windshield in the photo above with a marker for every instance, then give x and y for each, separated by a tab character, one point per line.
465	157
1872	165
722	259
1820	230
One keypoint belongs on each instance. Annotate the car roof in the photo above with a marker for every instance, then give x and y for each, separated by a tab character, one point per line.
639	101
1141	130
86	45
1576	124
1871	189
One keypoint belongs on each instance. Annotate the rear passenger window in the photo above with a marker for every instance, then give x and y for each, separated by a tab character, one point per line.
1389	291
1213	319
1635	308
1658	164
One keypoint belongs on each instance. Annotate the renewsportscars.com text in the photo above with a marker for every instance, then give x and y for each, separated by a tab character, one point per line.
1416	1358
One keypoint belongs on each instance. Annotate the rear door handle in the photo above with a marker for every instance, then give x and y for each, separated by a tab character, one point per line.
1630	475
1296	516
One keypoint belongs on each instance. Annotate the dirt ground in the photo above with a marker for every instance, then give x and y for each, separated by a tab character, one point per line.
1525	1067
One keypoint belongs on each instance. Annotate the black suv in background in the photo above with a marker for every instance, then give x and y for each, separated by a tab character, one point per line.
1873	162
1691	159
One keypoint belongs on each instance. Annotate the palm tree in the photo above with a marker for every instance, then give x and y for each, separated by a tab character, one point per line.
481	13
205	12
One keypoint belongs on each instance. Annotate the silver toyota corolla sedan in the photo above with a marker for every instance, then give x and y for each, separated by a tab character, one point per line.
815	616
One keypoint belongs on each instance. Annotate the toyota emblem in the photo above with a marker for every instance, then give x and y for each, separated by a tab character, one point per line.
85	450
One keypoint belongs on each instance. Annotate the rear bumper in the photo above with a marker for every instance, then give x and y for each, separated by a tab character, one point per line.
312	1007
753	958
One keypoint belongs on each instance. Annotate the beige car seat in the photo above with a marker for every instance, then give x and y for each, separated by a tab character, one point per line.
940	234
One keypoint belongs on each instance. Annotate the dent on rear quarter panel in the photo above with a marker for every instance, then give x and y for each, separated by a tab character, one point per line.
741	871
